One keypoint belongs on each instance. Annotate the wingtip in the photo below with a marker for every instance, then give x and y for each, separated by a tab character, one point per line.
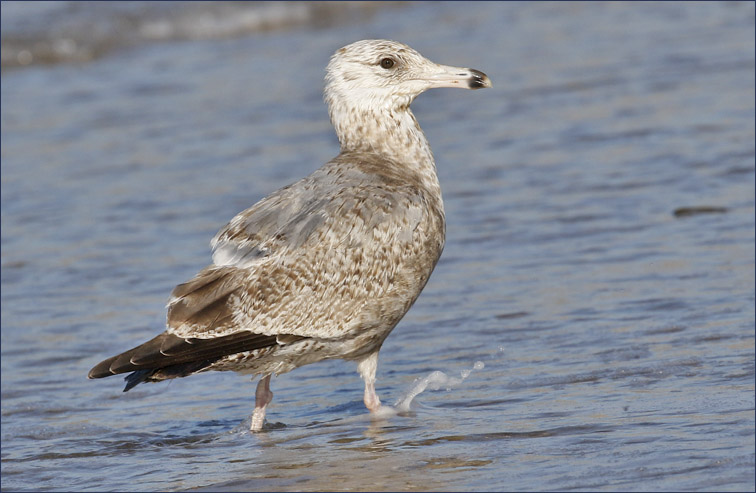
101	370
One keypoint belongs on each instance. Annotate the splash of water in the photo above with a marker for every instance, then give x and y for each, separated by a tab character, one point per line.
435	380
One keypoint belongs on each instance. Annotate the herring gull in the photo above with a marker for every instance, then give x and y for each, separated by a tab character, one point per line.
326	267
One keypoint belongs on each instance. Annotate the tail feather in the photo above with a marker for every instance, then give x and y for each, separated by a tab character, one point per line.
166	373
137	377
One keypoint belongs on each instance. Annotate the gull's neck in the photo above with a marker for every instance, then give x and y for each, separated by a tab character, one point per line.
390	131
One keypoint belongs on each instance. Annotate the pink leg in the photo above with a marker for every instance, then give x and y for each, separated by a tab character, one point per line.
367	368
263	396
372	402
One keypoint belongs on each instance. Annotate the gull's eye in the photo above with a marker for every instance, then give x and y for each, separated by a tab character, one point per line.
387	63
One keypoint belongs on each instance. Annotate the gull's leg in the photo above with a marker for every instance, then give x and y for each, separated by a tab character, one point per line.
367	368
263	396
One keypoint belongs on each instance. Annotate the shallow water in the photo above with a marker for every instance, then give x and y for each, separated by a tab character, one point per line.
605	342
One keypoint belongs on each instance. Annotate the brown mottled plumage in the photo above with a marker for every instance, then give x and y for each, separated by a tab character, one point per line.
326	267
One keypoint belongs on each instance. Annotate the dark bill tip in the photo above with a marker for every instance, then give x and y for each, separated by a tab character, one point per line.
479	80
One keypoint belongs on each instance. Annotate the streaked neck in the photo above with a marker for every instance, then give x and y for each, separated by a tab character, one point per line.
394	133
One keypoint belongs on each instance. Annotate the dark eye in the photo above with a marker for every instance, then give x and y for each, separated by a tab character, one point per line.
387	63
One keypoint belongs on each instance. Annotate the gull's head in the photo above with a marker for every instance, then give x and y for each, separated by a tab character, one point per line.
385	74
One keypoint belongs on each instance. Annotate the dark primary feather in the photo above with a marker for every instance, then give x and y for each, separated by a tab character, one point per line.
168	350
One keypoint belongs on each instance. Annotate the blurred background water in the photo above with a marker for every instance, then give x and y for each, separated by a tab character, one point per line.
597	286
